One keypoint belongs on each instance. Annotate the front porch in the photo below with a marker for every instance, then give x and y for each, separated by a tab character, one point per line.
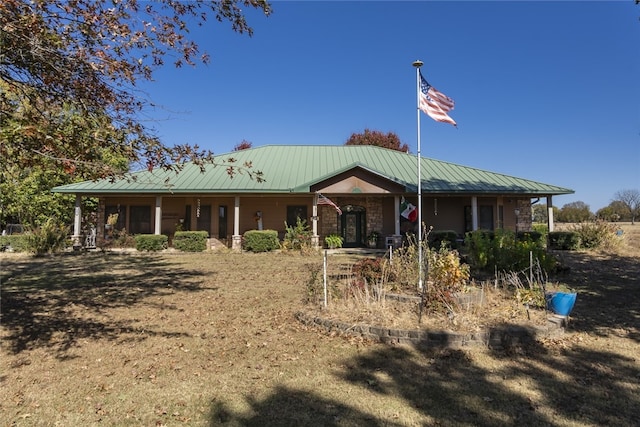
226	218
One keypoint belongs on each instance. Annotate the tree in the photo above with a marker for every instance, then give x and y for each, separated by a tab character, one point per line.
243	145
631	200
616	211
77	63
540	214
379	139
574	212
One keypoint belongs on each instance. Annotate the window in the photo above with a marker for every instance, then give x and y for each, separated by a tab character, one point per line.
485	218
187	218
222	222
295	212
204	218
122	215
140	220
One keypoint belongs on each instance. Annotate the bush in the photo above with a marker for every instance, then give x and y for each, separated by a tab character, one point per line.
151	242
51	237
260	240
334	241
500	250
368	269
564	240
297	237
532	236
190	241
446	270
448	237
596	235
122	239
445	274
16	243
540	228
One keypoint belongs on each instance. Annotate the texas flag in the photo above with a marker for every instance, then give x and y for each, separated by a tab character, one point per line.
408	211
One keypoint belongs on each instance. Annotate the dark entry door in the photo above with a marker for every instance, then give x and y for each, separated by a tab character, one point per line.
352	226
203	215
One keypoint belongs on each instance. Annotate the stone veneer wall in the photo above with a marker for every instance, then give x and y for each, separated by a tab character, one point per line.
329	222
524	220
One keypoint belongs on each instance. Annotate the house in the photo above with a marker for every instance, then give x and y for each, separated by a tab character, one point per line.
369	185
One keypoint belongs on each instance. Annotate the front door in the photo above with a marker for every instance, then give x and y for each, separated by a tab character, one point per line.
203	221
353	226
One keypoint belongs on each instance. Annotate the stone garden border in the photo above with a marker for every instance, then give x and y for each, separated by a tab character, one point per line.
499	336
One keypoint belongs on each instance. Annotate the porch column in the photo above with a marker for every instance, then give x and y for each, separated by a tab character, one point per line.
158	222
396	212
550	213
474	213
77	223
315	239
236	243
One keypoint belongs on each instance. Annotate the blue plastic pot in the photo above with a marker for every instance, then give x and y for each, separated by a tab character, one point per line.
561	303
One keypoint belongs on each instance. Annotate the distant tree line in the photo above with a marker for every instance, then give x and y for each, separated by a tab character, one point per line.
625	207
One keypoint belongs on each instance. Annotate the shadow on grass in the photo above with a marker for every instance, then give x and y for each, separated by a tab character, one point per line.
608	299
287	407
42	298
527	384
446	387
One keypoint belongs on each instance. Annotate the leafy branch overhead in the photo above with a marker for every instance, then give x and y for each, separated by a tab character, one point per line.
69	71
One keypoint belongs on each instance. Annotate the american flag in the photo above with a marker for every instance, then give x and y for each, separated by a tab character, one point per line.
322	200
434	103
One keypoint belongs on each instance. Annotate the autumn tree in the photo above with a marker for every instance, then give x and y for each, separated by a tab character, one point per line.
630	198
379	139
77	63
242	145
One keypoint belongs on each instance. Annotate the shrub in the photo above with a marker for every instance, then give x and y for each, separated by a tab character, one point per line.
122	239
333	241
260	240
564	240
314	284
50	237
531	236
596	235
479	246
190	241
298	236
16	243
368	269
370	278
500	250
445	274
446	270
448	237
151	242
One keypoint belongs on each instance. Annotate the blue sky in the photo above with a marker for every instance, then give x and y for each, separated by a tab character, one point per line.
548	91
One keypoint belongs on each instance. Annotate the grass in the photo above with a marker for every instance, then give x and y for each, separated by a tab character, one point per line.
210	339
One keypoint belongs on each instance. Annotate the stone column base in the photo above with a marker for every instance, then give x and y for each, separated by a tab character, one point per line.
236	243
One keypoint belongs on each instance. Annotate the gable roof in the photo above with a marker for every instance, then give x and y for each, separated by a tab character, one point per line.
296	168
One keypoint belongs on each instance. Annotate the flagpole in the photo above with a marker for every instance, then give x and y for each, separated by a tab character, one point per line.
419	64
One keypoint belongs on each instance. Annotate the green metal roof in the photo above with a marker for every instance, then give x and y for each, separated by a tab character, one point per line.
295	168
